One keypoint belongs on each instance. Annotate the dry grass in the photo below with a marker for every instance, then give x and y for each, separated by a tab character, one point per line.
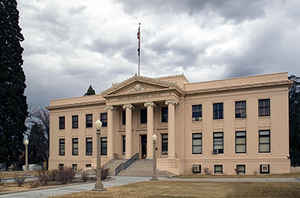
172	189
12	174
287	175
12	187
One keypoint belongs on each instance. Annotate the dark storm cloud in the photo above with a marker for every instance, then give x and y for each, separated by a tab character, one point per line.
235	10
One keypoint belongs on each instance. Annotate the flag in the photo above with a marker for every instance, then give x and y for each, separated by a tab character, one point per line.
139	40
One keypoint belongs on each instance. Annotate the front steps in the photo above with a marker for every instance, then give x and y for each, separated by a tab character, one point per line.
142	167
112	165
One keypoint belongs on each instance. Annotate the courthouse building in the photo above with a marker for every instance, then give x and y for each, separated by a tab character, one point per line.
238	125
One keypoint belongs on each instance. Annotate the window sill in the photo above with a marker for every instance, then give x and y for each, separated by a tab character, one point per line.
264	117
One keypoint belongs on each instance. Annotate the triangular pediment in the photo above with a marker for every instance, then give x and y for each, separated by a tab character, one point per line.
136	84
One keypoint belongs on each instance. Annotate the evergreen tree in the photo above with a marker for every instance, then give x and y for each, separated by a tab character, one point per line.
90	91
13	107
38	144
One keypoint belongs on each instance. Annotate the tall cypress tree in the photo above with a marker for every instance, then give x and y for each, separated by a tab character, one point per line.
13	107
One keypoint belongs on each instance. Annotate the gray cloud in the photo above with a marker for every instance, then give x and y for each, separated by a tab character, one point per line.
235	10
66	48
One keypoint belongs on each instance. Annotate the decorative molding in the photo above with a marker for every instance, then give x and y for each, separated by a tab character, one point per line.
128	106
110	107
173	102
149	104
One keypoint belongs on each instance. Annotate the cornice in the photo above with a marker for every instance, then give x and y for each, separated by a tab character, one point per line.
75	105
145	92
142	79
247	86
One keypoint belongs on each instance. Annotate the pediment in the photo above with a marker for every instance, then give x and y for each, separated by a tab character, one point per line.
136	84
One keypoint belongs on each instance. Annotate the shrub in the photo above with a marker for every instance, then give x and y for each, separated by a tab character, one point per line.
20	179
207	171
34	184
52	175
65	175
43	178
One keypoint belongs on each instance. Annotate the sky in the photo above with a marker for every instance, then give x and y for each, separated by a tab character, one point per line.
72	44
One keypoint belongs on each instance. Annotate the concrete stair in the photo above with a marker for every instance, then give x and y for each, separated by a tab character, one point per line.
112	165
142	168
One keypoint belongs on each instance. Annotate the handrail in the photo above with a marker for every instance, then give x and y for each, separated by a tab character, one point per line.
126	164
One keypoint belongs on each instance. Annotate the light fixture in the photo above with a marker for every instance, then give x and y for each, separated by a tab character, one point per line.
25	140
154	137
98	124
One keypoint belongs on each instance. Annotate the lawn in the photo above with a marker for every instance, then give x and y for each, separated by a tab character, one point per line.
174	189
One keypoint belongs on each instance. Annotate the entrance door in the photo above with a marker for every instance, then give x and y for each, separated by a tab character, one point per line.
143	146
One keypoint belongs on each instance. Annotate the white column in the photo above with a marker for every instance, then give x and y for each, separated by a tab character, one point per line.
150	128
110	134
128	130
171	128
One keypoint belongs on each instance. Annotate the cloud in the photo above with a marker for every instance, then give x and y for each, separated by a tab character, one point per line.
234	10
72	44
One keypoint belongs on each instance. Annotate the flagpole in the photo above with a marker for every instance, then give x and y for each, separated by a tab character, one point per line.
139	48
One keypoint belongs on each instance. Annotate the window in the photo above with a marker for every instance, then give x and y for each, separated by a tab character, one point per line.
164	144
240	142
218	142
103	145
264	107
74	167
164	114
61	146
264	168
89	146
61	122
123	144
196	112
196	168
240	109
218	111
103	119
88	165
123	117
89	120
74	121
196	143
264	141
143	116
218	169
240	169
74	146
60	166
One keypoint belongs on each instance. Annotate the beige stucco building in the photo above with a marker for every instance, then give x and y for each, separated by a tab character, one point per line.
218	127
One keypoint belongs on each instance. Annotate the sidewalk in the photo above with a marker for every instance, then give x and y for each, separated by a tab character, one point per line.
116	181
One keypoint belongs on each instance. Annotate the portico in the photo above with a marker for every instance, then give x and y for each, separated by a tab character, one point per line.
132	96
135	129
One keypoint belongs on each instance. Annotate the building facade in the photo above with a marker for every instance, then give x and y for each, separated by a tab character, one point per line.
238	125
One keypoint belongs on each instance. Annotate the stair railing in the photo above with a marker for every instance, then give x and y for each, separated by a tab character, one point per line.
126	164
